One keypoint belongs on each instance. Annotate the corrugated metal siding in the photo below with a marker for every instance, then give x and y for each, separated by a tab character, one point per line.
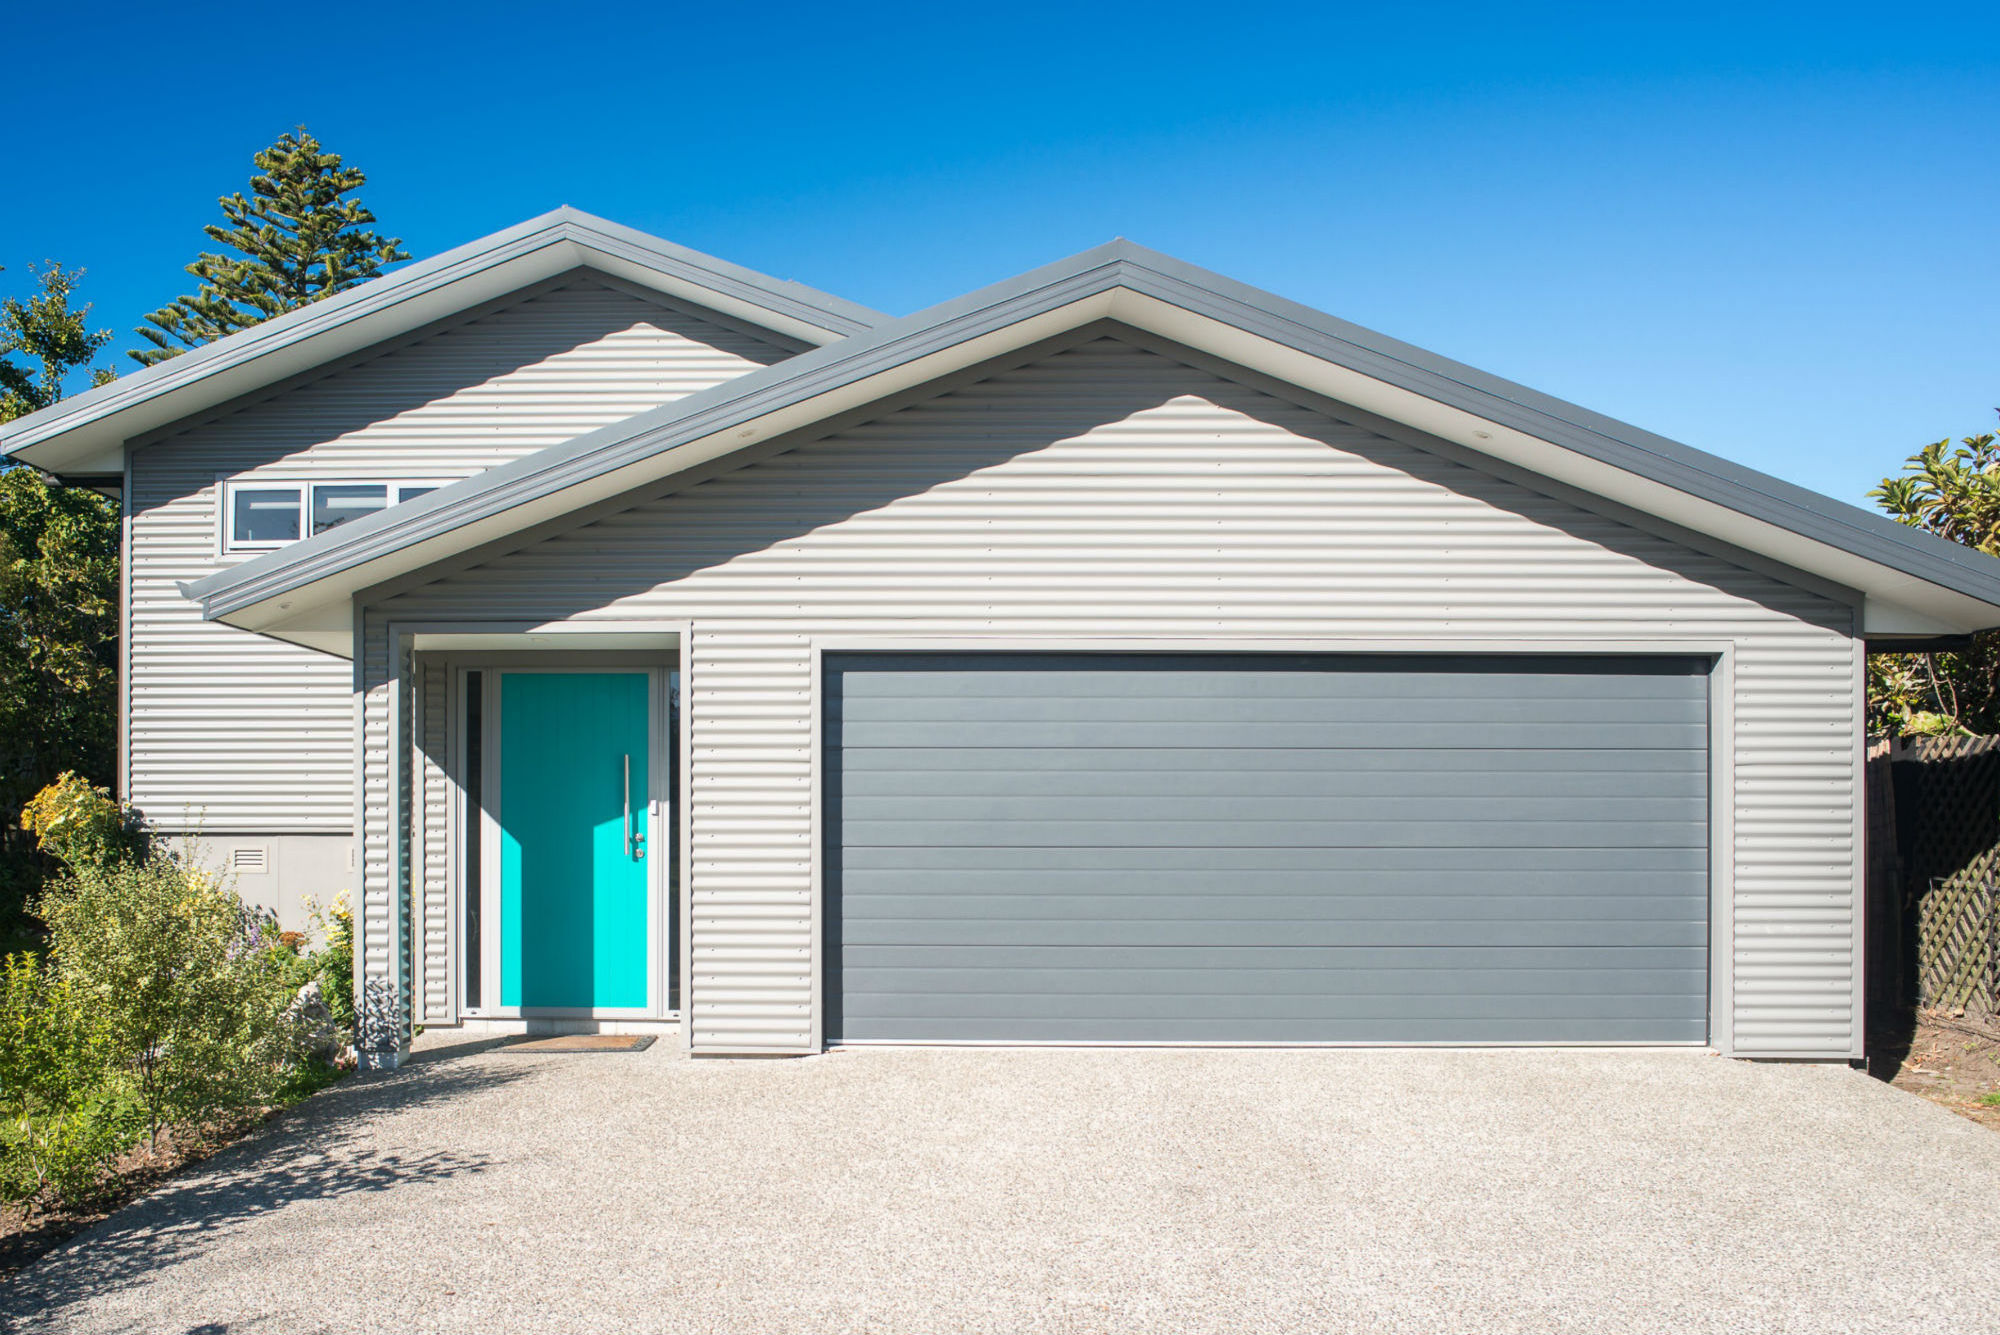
234	732
378	946
436	999
405	834
1109	491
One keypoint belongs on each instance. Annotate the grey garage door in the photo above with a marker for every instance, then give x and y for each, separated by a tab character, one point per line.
1257	848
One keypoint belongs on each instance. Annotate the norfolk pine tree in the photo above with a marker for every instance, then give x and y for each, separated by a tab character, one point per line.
296	239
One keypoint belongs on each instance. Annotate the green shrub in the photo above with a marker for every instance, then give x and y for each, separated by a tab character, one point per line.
189	982
81	825
67	1111
333	962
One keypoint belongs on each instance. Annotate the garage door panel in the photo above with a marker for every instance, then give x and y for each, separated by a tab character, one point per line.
1157	859
870	761
1126	930
1288	676
1257	1005
1279	1030
1281	913
1325	834
1266	848
1416	986
1331	963
1497	887
1687	809
1219	780
1551	710
1359	732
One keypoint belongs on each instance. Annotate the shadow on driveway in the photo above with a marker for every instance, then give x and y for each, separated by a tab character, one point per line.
311	1153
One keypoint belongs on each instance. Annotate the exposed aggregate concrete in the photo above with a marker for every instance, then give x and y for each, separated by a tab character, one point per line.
1065	1190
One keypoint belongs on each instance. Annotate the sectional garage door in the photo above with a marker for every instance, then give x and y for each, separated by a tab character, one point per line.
1258	848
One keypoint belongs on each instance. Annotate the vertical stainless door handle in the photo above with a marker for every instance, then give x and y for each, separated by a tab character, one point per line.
635	844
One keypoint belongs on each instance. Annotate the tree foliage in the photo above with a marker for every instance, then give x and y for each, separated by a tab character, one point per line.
58	635
297	238
1953	491
54	338
58	588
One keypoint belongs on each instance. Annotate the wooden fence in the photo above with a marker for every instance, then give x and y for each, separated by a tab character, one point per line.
1934	871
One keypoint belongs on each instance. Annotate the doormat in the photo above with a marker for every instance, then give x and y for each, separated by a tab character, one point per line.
586	1043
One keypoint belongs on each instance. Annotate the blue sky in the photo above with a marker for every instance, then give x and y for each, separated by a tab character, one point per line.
1768	231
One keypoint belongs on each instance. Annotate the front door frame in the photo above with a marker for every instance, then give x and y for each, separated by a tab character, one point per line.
658	917
666	819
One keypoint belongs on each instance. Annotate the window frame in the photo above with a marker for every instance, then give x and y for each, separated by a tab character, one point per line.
229	485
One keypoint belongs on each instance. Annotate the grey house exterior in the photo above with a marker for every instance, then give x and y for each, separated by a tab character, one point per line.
1114	655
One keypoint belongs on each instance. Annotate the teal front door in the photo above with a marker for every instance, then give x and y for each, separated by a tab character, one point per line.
574	840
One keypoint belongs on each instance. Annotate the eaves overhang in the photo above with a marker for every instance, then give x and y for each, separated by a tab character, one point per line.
86	434
1907	583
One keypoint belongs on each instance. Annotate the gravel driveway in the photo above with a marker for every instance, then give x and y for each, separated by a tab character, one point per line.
1063	1190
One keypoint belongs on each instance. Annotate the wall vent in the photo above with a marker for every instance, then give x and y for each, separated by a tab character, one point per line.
251	859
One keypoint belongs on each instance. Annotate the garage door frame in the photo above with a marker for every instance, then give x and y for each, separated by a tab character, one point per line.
1721	800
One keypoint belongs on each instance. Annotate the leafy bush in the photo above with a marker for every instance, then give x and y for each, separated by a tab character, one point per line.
190	983
333	962
163	1002
67	1112
82	825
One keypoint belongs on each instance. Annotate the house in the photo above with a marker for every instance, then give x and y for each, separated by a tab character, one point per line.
1117	654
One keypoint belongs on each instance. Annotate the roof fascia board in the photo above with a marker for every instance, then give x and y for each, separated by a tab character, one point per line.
1892	565
86	433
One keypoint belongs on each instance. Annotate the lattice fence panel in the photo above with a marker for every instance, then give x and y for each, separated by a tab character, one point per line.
1955	932
1947	804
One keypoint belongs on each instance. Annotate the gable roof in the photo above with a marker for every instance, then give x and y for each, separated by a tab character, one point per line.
85	435
1911	584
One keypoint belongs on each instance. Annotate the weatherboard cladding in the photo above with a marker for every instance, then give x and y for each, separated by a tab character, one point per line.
1106	491
434	1000
234	732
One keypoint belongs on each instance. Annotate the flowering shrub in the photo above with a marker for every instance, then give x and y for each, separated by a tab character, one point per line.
163	1002
81	825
